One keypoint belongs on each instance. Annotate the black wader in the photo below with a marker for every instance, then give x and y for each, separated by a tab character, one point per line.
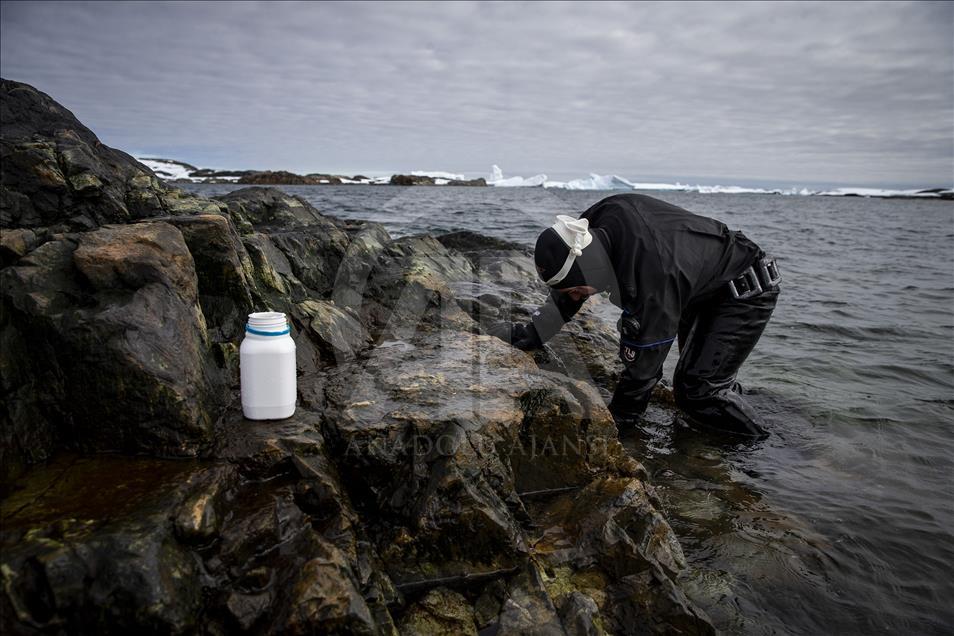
673	271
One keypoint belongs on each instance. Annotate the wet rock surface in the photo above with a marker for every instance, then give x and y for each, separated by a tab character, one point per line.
55	172
433	479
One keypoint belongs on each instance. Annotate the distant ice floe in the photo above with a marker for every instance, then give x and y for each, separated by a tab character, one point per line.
616	182
877	192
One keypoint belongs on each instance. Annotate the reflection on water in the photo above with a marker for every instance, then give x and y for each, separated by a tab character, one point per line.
758	566
840	522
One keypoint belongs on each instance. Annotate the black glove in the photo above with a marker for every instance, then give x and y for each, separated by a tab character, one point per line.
522	337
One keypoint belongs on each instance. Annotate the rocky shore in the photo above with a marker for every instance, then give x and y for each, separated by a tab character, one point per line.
432	481
173	171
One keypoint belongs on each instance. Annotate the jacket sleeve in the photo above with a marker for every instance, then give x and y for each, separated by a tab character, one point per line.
643	353
555	312
637	379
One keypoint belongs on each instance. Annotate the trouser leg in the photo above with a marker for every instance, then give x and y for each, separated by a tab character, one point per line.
721	338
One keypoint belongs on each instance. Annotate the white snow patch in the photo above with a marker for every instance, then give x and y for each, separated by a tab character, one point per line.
437	174
167	170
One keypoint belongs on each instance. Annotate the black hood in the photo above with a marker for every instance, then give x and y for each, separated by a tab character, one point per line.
593	267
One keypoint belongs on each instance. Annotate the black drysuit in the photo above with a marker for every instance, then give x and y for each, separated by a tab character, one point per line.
672	272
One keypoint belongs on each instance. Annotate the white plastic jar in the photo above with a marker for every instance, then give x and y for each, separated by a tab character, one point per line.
267	367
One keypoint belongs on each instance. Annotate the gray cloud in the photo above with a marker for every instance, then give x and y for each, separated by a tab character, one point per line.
857	93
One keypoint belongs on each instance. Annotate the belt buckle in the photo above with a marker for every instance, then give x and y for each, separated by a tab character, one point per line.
770	273
751	281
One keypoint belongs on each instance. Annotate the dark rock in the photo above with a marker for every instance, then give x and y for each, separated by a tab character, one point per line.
89	548
278	177
275	281
314	254
199	517
612	522
266	449
472	244
650	603
272	208
432	478
16	243
580	615
409	288
367	241
442	612
480	181
54	171
488	603
224	270
325	597
446	470
505	286
609	543
27	435
247	609
208	173
124	345
527	608
337	332
410	179
324	179
313	245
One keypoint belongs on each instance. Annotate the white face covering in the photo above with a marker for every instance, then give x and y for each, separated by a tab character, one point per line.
576	234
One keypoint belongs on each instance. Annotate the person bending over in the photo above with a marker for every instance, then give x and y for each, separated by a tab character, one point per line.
674	274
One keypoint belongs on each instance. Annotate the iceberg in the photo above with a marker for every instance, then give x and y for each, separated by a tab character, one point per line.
662	186
497	179
594	182
719	189
535	181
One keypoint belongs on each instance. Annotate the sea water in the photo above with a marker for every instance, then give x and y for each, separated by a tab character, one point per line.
843	521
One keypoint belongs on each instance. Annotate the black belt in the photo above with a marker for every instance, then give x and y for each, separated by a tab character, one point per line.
757	278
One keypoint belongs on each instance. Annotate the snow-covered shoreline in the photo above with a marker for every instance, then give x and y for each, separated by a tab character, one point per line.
177	171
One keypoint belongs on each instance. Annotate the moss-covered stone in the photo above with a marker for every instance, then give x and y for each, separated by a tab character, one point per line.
441	612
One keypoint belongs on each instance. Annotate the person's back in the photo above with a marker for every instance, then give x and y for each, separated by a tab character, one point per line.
674	274
666	257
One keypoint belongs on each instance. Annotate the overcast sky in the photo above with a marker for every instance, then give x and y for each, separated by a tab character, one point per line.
854	94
